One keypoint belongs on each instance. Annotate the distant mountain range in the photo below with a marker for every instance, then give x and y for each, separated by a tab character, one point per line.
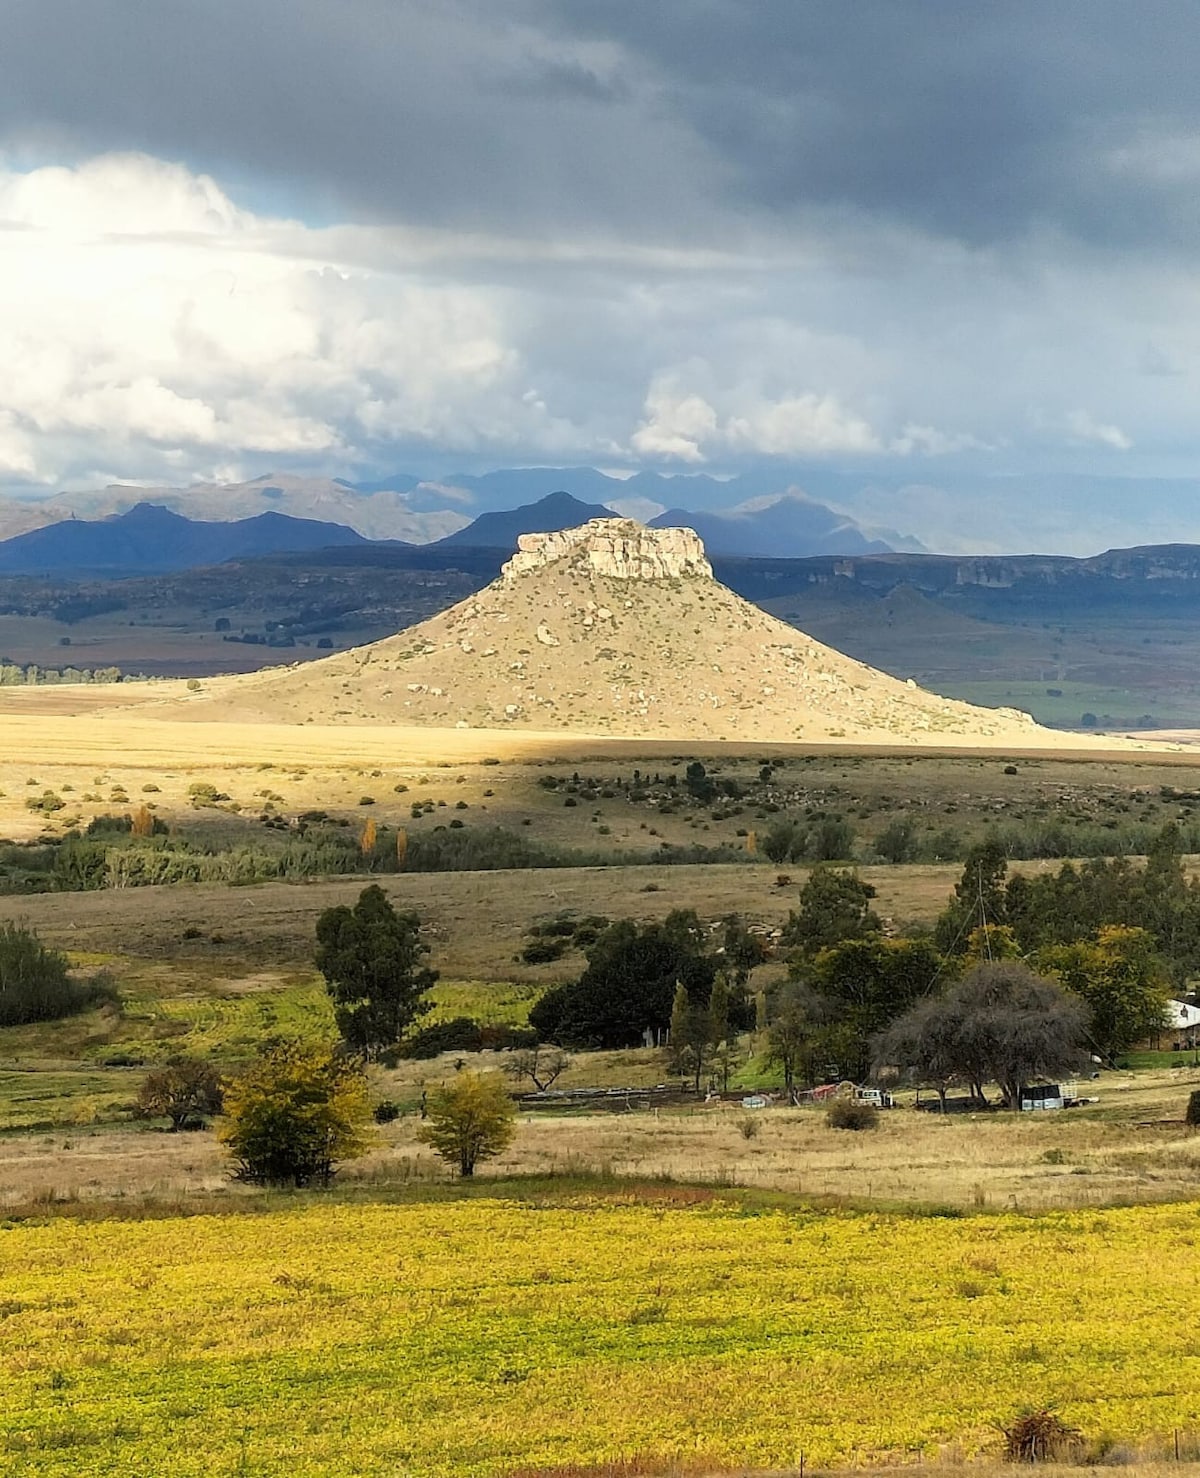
790	526
762	519
149	540
414	516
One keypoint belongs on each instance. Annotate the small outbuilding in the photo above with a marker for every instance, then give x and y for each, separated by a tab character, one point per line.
1184	1028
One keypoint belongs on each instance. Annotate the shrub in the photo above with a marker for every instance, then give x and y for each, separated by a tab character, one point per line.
460	1034
1191	1116
471	1120
750	1127
386	1111
849	1113
47	802
1038	1436
185	1092
294	1114
109	825
542	951
34	983
204	793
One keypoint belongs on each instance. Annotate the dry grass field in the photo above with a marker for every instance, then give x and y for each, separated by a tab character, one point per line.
1131	1146
211	969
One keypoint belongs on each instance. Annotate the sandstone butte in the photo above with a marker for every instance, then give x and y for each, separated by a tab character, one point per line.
613	629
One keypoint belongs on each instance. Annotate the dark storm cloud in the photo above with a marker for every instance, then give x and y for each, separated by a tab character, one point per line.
674	118
976	121
394	109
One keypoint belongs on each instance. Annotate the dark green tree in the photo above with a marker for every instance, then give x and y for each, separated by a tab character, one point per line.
691	1037
867	983
742	951
723	1025
979	898
1121	979
629	984
372	959
1076	903
834	906
798	1033
698	784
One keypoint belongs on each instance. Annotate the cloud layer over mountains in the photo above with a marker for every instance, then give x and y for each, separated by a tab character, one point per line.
924	245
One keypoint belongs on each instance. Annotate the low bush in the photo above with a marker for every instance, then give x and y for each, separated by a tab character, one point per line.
542	951
465	1034
459	1034
1039	1436
849	1113
186	1092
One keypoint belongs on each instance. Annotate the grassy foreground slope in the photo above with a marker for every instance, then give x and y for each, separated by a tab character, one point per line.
483	1337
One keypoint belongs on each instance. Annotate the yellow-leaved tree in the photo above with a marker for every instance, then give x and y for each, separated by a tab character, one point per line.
295	1113
471	1119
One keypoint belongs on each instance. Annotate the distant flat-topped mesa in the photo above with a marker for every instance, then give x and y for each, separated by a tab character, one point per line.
612	629
620	548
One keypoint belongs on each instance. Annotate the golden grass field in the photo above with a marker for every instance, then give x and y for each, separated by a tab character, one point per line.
490	1336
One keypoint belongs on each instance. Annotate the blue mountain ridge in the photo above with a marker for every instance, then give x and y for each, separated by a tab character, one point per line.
153	540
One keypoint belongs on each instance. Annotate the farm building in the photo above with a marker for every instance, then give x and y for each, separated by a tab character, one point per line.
1183	1029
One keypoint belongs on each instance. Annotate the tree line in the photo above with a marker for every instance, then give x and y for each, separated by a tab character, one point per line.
1018	978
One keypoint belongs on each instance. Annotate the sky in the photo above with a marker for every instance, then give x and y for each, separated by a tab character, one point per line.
941	257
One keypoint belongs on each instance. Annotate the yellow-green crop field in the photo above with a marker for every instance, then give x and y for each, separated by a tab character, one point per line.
480	1336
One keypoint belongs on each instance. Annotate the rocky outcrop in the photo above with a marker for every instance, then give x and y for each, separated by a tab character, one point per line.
619	548
558	645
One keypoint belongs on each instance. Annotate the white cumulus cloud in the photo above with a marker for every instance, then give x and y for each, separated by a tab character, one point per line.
1082	426
684	426
149	324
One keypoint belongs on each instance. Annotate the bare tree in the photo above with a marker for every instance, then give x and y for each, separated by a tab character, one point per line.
922	1044
541	1064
